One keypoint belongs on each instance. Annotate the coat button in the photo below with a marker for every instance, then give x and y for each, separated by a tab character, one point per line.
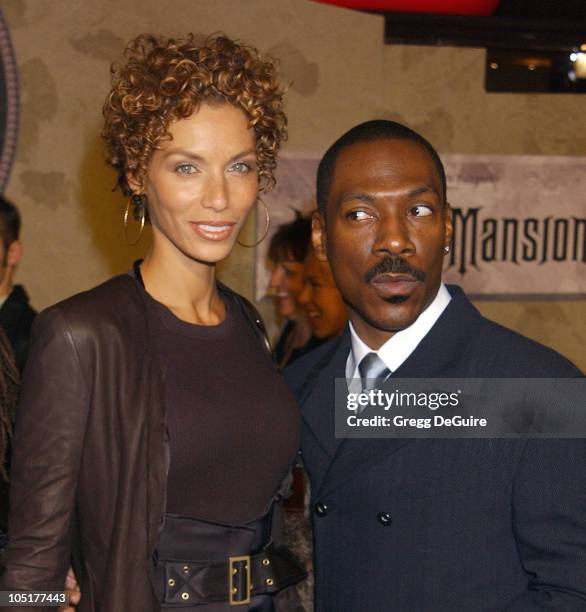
384	518
320	509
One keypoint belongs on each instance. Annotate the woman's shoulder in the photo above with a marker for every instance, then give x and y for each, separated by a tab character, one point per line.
114	303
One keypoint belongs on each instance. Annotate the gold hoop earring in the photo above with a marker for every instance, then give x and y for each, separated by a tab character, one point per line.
268	222
134	200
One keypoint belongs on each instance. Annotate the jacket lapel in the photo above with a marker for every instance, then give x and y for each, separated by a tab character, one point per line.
337	459
438	355
317	404
319	443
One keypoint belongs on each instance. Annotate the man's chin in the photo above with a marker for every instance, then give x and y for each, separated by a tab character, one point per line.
400	312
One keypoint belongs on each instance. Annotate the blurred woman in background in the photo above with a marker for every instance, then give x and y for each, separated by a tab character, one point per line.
155	434
287	251
321	299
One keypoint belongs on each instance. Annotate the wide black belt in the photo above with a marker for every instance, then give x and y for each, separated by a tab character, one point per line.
233	564
235	581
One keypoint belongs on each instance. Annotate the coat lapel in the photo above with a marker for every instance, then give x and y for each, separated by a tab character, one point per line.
438	355
337	459
319	443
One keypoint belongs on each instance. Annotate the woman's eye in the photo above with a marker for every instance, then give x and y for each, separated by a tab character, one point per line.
421	210
241	167
358	215
185	169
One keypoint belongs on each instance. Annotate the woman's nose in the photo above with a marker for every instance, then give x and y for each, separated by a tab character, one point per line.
216	193
276	277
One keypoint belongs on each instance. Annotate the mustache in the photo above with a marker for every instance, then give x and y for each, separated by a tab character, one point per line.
393	265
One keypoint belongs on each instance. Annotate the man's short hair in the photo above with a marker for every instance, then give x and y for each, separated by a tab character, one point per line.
378	129
9	221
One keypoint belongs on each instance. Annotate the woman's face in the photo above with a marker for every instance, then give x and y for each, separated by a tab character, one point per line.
201	184
321	299
286	284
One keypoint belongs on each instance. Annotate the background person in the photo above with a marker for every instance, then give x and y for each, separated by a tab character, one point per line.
287	252
16	314
150	403
9	380
321	299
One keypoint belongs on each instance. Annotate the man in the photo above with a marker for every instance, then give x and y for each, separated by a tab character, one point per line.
429	524
16	315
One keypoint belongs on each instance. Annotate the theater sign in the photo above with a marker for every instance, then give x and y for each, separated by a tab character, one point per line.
519	222
519	225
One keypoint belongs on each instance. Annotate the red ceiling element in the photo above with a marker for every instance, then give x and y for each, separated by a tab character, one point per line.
440	7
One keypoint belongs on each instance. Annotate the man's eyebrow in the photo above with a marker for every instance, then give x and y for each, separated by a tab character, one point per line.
422	189
360	196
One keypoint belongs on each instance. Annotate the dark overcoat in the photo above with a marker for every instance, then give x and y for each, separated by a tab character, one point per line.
426	525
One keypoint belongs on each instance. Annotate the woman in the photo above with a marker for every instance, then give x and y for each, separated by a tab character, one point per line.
287	251
321	299
161	430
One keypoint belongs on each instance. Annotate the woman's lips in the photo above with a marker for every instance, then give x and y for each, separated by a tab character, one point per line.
394	284
214	231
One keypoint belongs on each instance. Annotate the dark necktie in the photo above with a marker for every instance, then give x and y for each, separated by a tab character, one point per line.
373	371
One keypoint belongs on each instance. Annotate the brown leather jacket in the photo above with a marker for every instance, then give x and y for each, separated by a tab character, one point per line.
90	452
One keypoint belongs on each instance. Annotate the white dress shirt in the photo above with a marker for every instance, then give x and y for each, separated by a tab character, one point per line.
400	345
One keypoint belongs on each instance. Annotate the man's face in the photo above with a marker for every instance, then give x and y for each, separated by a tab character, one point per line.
384	234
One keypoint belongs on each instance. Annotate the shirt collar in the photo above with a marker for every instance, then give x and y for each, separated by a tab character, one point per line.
399	346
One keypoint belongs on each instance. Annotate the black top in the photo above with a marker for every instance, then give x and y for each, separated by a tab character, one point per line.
233	438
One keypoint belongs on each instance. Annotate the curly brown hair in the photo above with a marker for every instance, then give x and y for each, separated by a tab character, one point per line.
165	79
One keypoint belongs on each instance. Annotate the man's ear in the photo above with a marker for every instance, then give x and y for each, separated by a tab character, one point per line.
318	236
14	253
449	228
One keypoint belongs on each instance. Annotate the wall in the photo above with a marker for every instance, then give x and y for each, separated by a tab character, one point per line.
341	73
